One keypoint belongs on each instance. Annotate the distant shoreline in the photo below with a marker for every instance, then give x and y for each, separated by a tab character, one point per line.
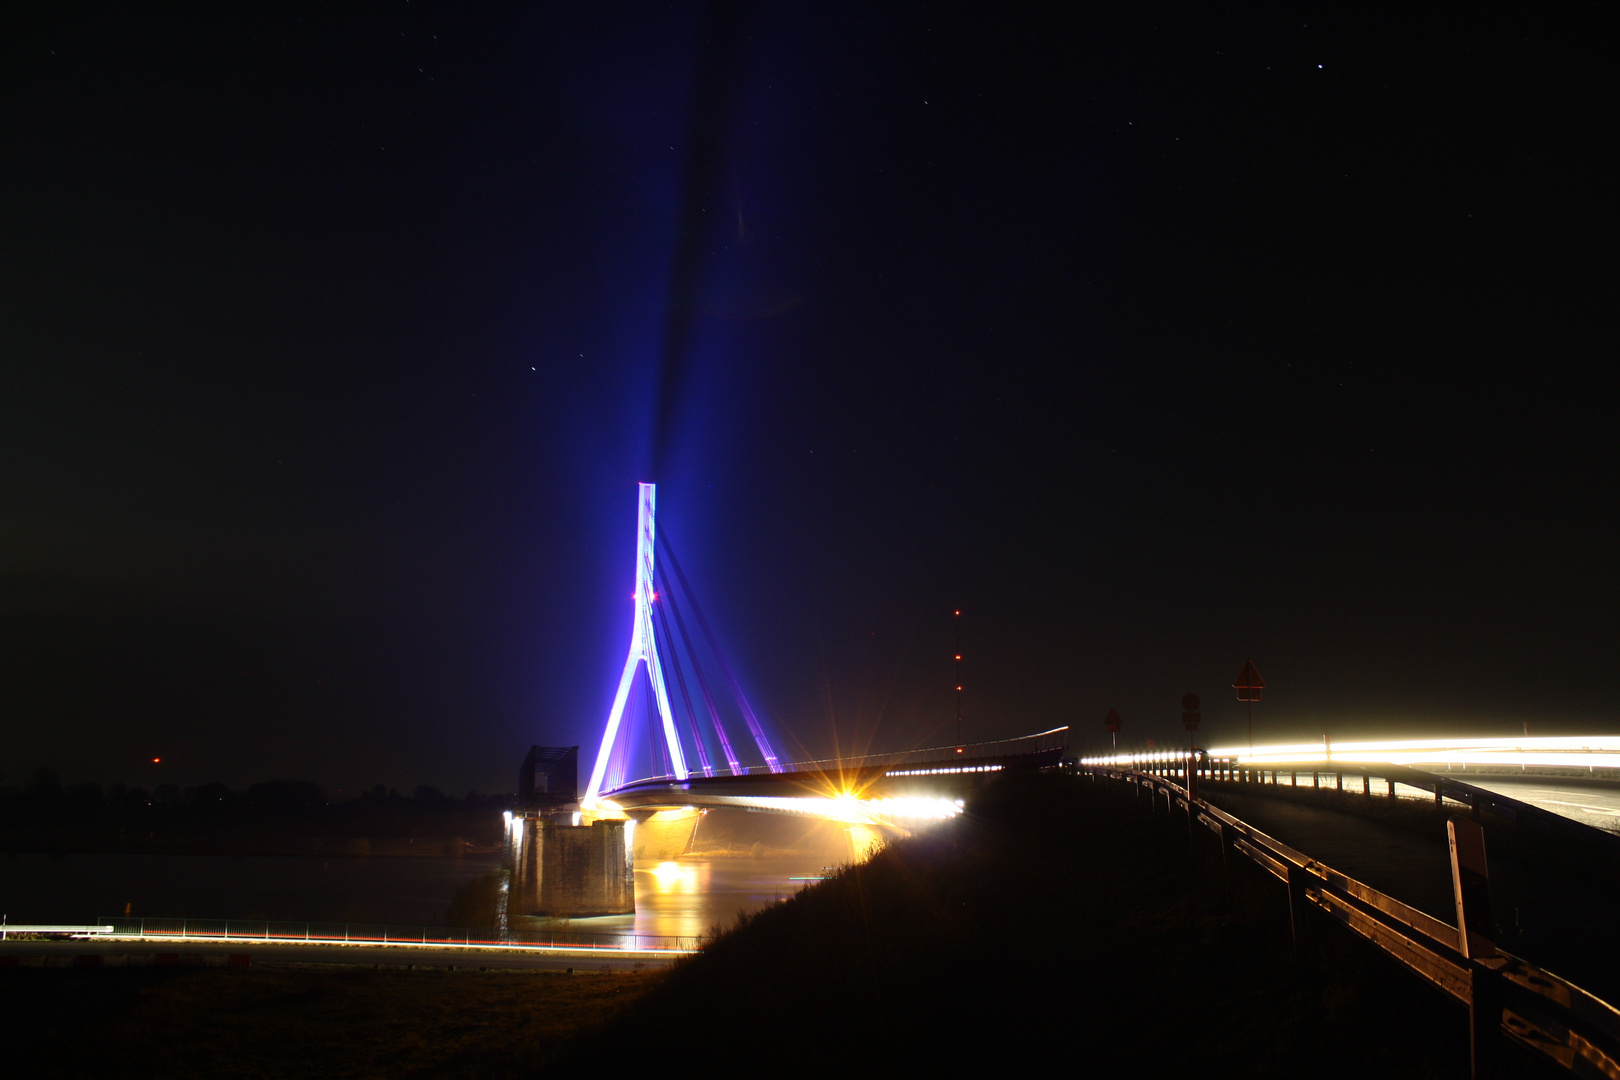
318	849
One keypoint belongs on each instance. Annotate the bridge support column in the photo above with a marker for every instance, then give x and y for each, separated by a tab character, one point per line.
572	870
523	888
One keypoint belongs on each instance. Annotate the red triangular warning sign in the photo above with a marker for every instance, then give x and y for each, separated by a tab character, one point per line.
1249	683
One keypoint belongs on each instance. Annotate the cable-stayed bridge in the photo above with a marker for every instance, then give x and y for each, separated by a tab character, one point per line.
893	788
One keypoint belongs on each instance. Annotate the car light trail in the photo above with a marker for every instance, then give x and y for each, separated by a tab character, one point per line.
854	811
1565	752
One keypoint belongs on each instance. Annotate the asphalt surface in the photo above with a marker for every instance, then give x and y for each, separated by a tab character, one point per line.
1413	869
1591	804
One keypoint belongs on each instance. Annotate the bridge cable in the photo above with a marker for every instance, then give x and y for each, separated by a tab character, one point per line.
736	766
720	658
658	758
618	765
680	684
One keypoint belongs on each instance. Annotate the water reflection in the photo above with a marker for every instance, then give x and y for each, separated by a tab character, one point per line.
693	877
691	897
671	877
864	841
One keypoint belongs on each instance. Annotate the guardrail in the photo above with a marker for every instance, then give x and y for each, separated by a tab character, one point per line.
1558	755
54	930
1040	743
1505	996
260	930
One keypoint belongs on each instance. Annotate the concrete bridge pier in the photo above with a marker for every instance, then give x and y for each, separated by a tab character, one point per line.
561	869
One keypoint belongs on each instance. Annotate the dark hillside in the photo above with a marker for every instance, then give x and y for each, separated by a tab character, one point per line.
1052	916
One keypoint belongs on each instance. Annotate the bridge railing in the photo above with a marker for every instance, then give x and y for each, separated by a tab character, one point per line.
316	933
1503	993
1044	742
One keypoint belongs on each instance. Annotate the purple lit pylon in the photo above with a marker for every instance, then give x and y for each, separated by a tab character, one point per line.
643	649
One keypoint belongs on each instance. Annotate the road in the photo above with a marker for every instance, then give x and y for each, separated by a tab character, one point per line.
124	952
1597	805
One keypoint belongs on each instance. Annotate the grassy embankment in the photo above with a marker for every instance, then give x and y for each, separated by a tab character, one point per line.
1057	925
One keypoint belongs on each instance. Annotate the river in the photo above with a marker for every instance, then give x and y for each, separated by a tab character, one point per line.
682	897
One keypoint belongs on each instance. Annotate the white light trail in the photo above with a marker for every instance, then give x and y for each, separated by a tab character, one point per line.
853	811
1581	751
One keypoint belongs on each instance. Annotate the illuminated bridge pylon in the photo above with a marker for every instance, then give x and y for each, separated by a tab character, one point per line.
643	650
645	636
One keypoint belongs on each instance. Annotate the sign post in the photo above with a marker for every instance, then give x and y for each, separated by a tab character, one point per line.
1248	687
1189	720
1112	722
1470	884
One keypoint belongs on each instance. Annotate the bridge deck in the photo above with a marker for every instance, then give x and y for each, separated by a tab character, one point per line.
945	779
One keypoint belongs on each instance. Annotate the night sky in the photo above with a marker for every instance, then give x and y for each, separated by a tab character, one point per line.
334	340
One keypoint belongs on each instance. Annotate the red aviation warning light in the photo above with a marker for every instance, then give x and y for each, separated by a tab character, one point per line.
1249	683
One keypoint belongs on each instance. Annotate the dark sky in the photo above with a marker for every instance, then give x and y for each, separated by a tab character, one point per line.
334	340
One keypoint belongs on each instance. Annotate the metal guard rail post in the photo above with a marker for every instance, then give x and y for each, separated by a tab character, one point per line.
1538	1009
